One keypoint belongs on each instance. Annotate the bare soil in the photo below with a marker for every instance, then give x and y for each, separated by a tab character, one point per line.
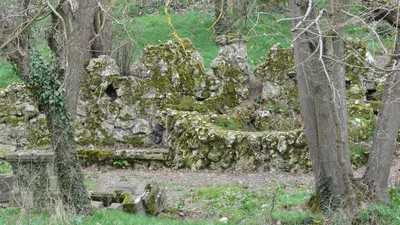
182	184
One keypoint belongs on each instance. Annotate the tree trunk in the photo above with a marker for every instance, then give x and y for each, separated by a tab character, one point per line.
322	104
71	47
67	165
222	22
381	154
88	35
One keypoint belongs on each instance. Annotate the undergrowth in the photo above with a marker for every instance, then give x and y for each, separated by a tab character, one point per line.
108	217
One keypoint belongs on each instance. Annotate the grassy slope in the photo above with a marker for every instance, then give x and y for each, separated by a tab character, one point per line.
148	30
7	75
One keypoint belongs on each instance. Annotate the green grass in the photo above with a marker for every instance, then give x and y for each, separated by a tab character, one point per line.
5	167
13	216
242	205
149	30
91	182
358	154
382	213
7	75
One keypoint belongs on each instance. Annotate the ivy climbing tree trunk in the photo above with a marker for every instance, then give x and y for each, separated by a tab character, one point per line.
321	86
46	83
75	35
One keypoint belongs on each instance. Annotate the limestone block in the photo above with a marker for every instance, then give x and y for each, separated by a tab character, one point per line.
116	206
97	205
6	182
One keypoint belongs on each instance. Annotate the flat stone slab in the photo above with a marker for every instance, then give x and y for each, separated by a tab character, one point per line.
97	204
116	206
159	154
37	156
6	182
139	154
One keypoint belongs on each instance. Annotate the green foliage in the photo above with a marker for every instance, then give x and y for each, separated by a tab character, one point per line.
358	154
7	74
382	213
5	167
13	216
258	101
272	108
121	163
46	84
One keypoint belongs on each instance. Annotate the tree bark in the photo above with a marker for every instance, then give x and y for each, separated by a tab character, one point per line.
87	35
322	103
67	165
222	22
384	143
381	154
49	91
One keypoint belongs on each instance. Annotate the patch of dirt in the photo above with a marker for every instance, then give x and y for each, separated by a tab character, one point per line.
182	185
394	178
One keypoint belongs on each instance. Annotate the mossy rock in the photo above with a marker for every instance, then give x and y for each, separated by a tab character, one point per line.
358	108
199	141
355	67
358	129
93	156
279	65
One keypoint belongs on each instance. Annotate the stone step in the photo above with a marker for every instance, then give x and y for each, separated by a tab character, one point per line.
93	156
143	153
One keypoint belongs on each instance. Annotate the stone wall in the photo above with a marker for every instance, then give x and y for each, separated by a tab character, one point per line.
170	100
6	185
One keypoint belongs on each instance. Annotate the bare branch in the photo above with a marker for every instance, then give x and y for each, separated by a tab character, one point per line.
20	31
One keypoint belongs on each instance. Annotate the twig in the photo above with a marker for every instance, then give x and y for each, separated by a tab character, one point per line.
369	27
305	15
219	16
64	31
19	32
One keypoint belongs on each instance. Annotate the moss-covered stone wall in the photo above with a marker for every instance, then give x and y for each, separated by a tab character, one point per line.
170	100
197	143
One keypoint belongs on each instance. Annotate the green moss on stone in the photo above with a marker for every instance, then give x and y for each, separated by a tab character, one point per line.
95	155
355	67
127	198
135	141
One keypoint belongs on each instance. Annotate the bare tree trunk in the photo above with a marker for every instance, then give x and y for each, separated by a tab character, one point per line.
322	103
381	154
101	36
222	22
87	35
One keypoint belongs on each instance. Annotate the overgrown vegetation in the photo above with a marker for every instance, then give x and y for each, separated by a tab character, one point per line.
7	75
13	216
359	154
5	167
244	205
